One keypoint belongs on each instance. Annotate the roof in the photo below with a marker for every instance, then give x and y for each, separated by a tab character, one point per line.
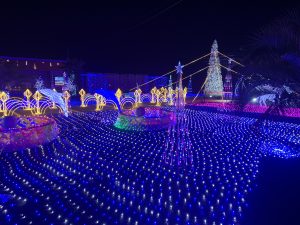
10	58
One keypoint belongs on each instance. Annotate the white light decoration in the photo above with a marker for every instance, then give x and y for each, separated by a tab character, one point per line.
99	102
137	96
57	98
214	83
39	84
82	94
66	96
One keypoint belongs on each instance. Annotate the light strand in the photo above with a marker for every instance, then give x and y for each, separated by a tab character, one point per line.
187	64
231	59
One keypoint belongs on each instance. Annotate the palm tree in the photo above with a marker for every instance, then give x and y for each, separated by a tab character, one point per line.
274	52
275	49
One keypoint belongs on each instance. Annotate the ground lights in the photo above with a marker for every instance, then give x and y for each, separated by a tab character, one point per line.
97	174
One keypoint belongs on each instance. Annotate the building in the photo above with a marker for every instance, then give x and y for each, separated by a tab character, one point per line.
17	74
92	82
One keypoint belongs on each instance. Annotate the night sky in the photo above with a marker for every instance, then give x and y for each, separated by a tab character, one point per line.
146	37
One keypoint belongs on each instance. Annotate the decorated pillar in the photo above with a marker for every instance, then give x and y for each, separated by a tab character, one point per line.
27	94
139	91
153	91
184	92
170	95
102	102
118	95
136	98
98	102
179	90
4	97
82	94
66	96
164	92
37	97
157	94
176	93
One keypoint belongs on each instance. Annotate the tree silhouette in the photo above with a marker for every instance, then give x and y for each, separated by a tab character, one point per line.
275	49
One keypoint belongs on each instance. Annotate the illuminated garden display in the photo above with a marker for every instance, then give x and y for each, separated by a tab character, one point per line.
94	173
170	112
136	157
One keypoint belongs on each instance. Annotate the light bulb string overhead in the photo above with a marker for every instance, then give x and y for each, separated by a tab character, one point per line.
187	64
231	59
198	71
200	89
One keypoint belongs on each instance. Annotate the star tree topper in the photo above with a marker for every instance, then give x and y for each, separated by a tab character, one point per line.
179	68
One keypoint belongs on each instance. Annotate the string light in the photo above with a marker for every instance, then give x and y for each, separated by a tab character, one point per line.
94	173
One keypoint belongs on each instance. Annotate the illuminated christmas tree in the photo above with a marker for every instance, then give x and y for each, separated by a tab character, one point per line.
214	84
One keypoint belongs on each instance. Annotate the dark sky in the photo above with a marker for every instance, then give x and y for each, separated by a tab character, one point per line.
132	36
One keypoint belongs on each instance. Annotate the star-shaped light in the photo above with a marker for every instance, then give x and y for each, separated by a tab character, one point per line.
179	68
